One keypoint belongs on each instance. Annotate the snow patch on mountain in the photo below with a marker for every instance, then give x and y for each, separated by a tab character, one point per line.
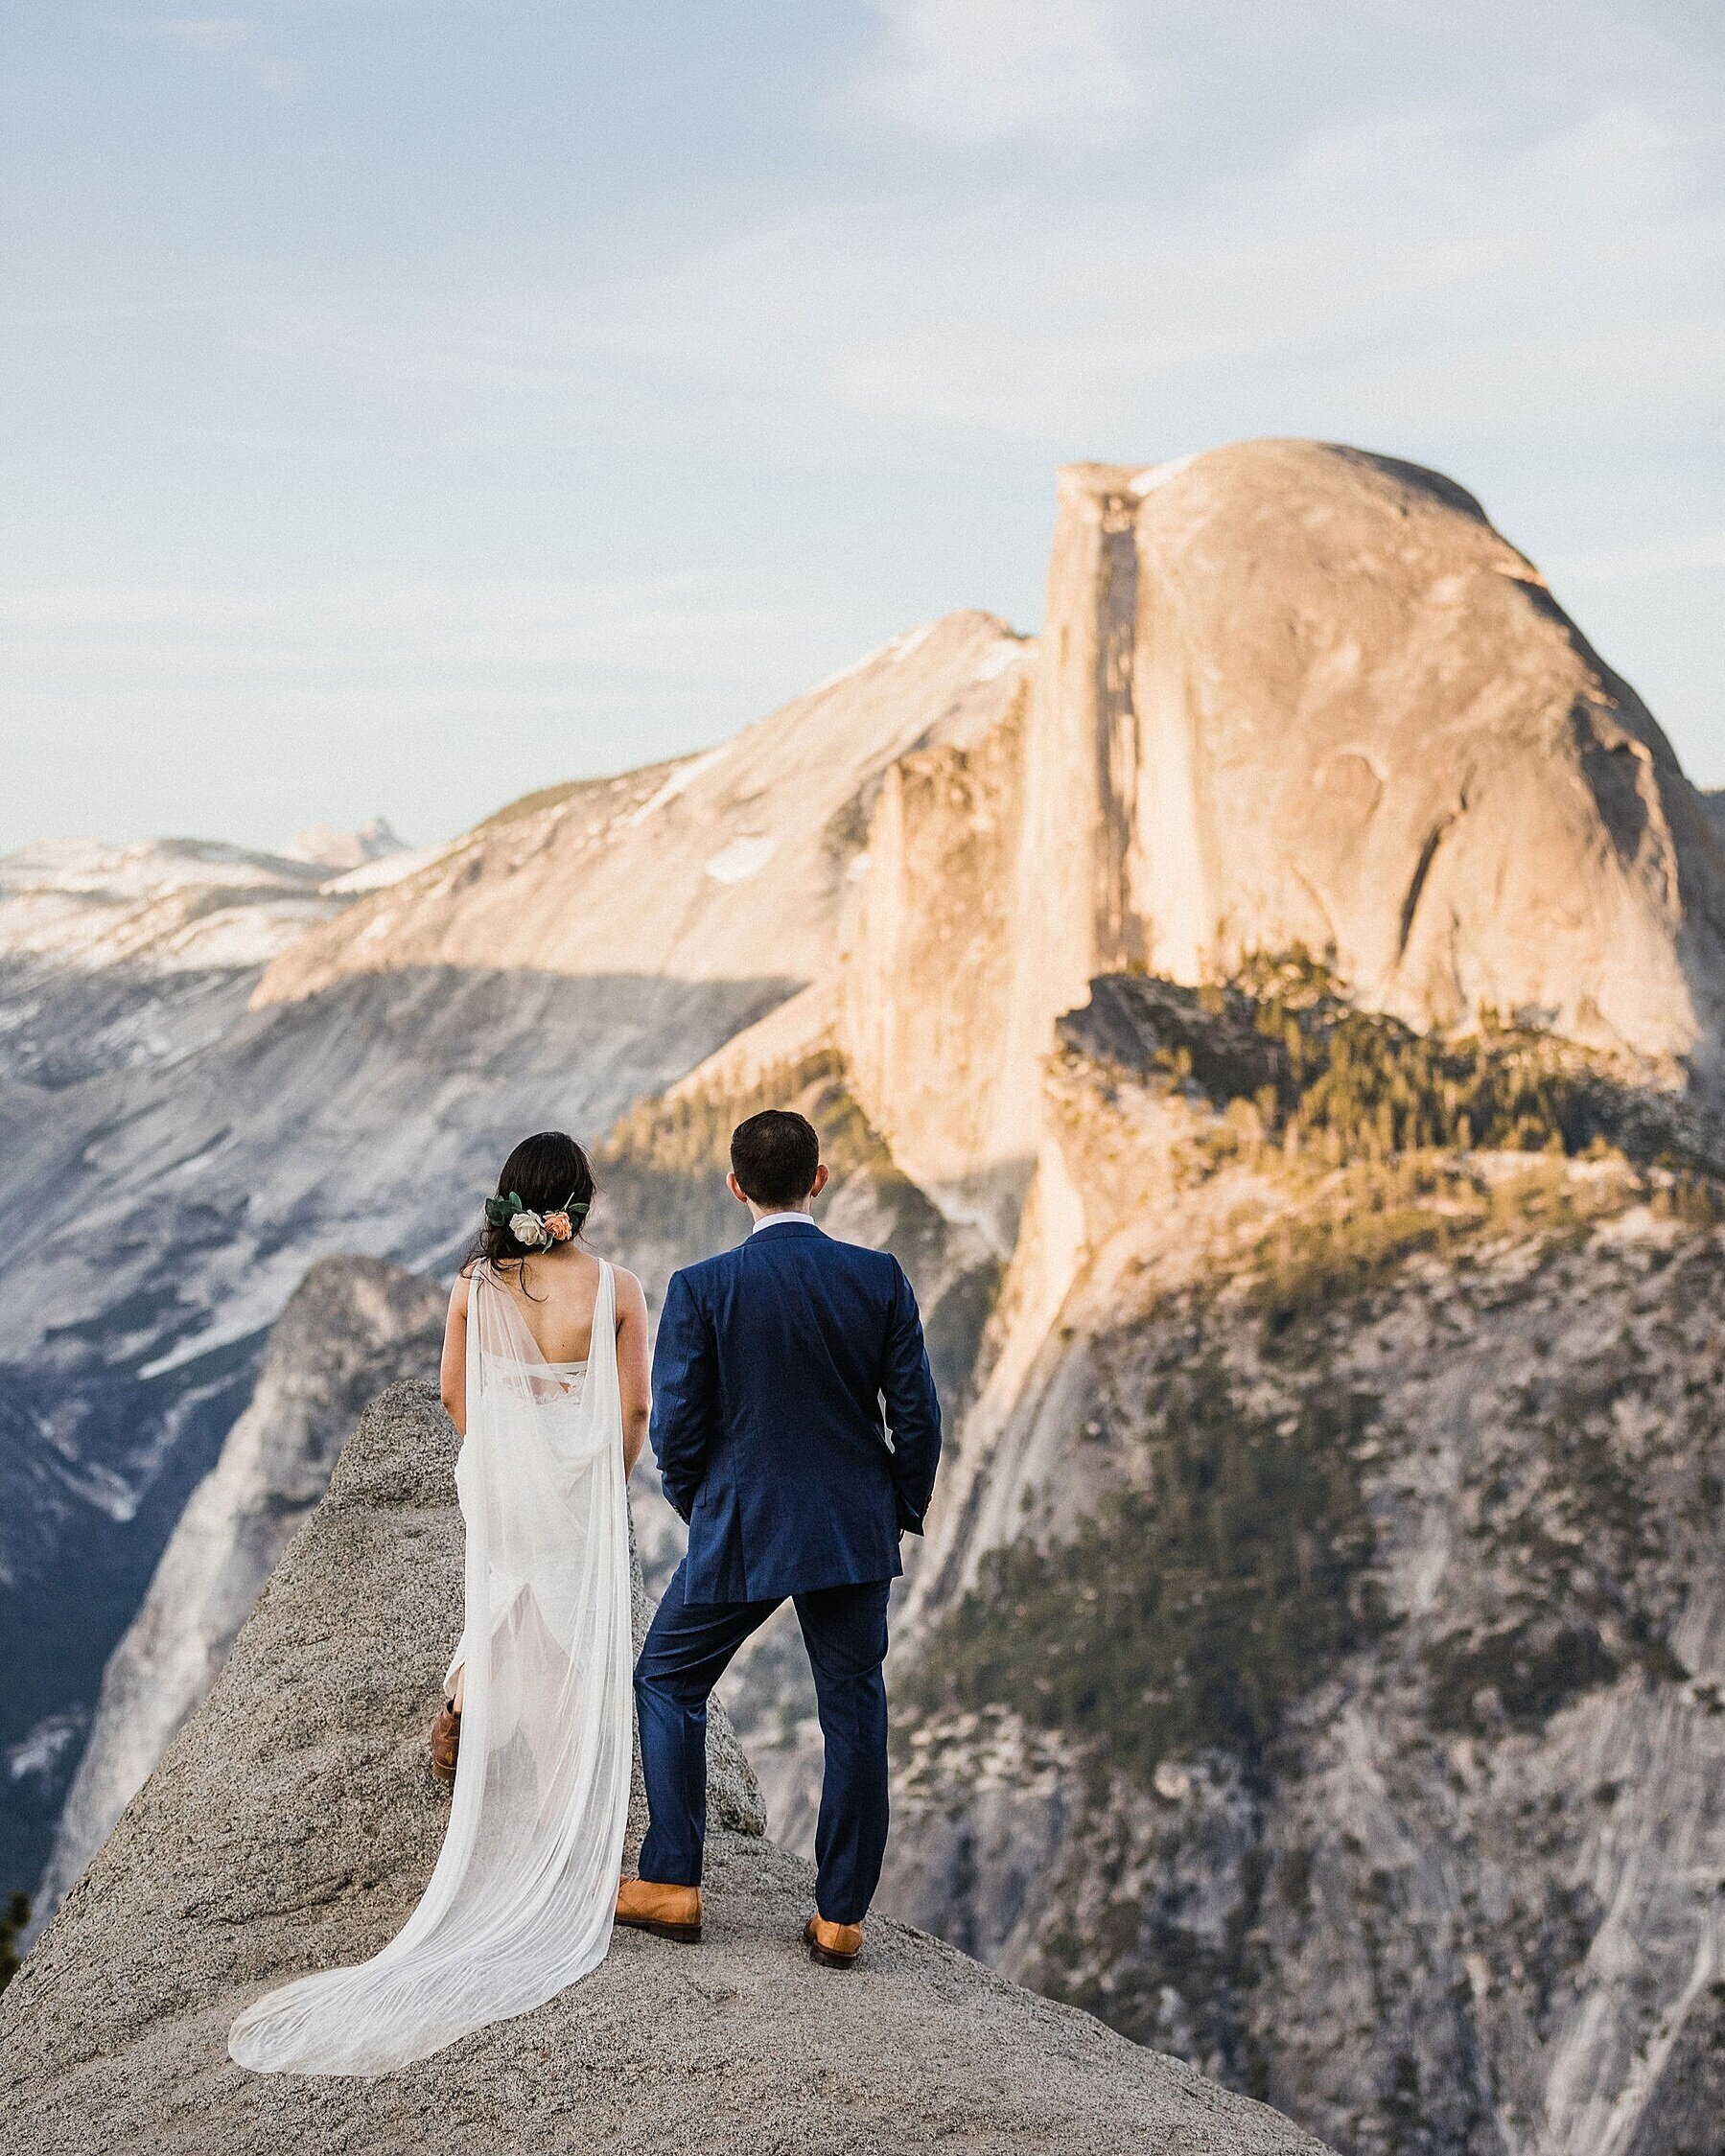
742	858
165	905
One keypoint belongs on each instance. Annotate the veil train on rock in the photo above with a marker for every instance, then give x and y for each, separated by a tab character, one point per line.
521	1902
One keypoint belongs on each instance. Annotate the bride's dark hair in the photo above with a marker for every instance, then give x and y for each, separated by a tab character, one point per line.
549	1174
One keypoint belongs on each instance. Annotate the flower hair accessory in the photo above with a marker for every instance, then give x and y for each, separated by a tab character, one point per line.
536	1231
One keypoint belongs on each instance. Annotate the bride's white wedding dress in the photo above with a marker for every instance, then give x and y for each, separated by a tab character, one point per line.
522	1898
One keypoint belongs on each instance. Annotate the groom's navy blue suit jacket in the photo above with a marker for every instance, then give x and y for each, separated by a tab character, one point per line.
770	1370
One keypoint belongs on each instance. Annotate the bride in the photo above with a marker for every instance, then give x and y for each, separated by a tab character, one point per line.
545	1372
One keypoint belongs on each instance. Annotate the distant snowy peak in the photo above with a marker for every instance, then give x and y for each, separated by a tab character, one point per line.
148	869
340	851
183	905
160	906
726	864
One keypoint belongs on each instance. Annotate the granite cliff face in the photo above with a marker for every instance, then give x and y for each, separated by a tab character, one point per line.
294	1823
1284	693
1334	707
1325	1603
351	1327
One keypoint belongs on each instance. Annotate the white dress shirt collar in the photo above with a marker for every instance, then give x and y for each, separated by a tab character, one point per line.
782	1220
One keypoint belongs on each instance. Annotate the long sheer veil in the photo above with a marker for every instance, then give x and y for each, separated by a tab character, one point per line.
522	1898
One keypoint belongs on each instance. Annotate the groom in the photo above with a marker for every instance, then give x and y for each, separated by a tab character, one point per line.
773	1366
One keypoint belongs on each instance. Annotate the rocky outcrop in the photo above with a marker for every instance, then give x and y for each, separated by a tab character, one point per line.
1329	1604
292	1825
352	1327
932	979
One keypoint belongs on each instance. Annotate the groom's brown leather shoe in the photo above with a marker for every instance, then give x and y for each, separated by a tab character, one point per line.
674	1913
835	1946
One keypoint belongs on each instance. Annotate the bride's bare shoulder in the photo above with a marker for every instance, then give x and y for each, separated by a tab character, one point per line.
630	1293
454	1325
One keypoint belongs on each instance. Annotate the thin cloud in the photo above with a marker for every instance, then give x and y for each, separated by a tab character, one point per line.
969	72
1098	75
205	33
1464	294
233	43
662	626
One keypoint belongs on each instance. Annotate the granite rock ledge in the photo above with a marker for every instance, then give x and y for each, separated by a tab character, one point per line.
292	1825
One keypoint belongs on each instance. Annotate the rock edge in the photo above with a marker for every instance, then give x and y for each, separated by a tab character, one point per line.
292	1824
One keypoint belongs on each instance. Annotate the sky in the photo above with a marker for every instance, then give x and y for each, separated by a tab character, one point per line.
408	404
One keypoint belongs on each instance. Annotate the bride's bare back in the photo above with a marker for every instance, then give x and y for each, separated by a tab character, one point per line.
556	1292
561	1292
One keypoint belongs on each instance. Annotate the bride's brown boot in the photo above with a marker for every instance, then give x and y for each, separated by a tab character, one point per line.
834	1946
446	1743
673	1913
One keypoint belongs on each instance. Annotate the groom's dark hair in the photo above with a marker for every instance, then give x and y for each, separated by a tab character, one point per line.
775	1155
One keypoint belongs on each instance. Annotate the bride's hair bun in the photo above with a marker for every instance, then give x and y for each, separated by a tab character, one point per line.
543	1199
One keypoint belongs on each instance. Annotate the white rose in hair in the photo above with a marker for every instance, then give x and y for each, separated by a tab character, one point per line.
528	1228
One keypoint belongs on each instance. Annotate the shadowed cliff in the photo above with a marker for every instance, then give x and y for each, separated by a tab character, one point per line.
352	1327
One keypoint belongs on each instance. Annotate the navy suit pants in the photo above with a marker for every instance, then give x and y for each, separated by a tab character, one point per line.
685	1653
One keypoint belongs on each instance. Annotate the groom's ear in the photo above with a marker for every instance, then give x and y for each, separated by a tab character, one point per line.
823	1174
736	1188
